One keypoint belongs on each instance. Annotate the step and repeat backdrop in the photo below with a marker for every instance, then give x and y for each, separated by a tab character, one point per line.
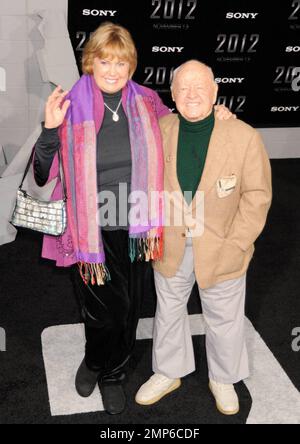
252	46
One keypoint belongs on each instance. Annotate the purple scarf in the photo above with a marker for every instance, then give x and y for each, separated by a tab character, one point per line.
78	144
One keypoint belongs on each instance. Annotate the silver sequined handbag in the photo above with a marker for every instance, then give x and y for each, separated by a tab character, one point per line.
38	215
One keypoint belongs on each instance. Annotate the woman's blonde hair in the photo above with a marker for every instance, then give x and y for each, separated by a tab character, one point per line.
109	41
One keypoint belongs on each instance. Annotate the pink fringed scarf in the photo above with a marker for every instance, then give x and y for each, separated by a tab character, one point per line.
78	143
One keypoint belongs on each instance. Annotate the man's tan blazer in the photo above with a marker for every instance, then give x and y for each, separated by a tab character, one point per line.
237	192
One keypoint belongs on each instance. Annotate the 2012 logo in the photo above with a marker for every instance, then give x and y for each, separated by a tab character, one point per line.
295	15
237	43
284	75
82	35
158	75
174	9
234	103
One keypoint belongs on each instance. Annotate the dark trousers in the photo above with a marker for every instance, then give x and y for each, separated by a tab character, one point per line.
111	311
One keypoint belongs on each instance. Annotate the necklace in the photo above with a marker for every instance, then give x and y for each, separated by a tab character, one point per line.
115	115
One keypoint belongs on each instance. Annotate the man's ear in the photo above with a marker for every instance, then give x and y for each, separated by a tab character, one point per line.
215	92
172	95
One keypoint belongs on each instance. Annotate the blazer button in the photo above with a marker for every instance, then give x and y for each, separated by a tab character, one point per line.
182	234
168	158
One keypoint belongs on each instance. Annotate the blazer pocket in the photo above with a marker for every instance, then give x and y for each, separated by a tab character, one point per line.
226	185
231	258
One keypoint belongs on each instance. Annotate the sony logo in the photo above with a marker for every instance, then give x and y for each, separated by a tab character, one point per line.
230	80
167	48
242	15
99	12
275	109
292	49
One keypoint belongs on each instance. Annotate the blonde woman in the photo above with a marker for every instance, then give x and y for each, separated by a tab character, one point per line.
107	130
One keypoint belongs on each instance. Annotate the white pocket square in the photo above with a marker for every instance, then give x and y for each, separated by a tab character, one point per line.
226	185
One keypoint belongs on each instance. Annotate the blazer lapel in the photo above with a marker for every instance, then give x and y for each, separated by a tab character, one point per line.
171	155
217	155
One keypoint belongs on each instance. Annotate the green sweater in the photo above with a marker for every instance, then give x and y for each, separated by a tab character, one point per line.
193	141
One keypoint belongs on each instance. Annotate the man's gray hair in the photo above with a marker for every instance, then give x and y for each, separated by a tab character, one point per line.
175	72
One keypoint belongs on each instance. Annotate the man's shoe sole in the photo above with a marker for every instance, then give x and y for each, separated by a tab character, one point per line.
224	412
173	387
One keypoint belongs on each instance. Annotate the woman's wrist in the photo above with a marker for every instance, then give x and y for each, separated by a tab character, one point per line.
50	127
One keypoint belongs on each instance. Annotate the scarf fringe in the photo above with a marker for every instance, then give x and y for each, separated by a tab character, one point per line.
140	249
145	249
94	273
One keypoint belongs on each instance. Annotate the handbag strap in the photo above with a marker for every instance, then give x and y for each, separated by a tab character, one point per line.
61	171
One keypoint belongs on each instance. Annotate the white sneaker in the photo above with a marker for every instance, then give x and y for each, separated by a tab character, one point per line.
155	388
226	398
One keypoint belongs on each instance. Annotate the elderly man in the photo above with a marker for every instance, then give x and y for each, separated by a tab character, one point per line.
227	162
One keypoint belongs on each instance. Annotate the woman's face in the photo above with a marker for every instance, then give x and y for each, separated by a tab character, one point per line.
111	75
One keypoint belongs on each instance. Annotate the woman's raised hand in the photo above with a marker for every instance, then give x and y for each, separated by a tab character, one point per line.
54	112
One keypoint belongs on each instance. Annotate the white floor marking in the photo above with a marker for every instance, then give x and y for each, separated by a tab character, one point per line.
275	400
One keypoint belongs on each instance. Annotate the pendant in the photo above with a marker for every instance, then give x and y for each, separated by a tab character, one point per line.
115	117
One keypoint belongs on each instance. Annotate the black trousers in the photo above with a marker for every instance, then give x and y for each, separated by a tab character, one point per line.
111	311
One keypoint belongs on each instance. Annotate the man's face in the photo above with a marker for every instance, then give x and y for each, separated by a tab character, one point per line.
194	91
111	75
